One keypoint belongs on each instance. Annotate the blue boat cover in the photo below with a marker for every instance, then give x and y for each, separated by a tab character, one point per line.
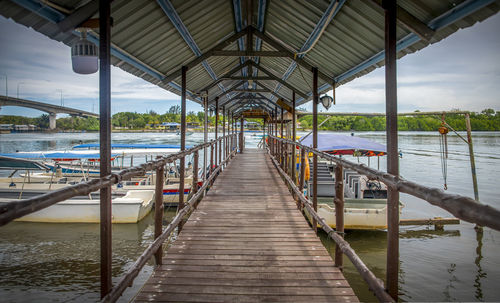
49	155
346	145
120	145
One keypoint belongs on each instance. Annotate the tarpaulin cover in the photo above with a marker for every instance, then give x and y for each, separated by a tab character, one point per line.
346	145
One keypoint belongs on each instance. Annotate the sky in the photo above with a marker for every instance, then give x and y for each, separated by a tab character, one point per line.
460	72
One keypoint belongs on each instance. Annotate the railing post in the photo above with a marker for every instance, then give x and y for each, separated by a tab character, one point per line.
302	171
105	142
339	212
160	180
194	185
211	158
241	136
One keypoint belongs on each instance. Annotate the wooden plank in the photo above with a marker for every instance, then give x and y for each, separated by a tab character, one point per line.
247	242
250	282
243	290
168	297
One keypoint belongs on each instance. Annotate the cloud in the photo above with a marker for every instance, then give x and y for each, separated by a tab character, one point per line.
462	71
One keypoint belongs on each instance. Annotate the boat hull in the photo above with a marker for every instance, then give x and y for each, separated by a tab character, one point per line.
128	209
365	214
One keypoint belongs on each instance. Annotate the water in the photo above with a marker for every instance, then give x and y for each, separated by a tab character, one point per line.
60	262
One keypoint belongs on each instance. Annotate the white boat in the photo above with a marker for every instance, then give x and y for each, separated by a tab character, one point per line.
130	208
365	200
368	214
127	207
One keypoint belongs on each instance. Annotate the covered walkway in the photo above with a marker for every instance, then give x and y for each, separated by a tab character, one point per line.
247	242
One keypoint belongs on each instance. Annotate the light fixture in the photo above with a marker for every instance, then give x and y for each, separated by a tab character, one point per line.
326	101
84	55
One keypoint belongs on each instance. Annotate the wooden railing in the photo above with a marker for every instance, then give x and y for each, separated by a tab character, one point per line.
17	209
462	207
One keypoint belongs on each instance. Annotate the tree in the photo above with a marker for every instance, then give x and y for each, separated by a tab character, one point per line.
174	109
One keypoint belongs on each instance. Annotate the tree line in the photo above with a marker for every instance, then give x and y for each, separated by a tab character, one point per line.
486	120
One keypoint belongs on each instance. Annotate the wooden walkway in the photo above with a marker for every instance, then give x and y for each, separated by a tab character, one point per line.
247	242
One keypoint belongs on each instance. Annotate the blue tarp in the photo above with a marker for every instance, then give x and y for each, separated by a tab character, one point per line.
342	144
57	155
120	145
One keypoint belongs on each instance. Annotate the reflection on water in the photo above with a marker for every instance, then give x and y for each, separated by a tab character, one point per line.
479	256
61	262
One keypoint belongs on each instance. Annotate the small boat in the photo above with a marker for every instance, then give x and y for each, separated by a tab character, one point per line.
365	200
127	207
366	214
131	208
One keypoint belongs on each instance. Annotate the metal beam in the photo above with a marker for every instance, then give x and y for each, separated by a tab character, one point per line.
411	22
277	45
81	14
235	53
281	81
276	94
225	76
176	20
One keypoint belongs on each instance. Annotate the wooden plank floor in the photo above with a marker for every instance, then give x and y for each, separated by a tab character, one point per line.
247	242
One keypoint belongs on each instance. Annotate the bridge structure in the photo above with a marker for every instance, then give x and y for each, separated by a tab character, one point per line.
51	109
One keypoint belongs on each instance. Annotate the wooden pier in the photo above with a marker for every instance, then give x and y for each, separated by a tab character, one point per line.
247	242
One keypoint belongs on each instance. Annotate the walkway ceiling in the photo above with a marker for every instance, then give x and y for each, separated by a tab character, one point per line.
245	51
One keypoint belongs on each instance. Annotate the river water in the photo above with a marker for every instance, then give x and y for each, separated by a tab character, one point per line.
60	262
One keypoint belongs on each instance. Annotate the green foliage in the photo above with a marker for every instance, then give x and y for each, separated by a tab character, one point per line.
487	120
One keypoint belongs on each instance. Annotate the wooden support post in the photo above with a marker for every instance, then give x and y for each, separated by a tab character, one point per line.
105	142
392	148
211	169
302	170
281	156
223	143
294	135
194	185
339	212
216	127
160	180
182	169
205	139
242	136
315	145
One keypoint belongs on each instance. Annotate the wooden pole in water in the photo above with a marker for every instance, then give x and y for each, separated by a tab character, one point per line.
392	147
315	145
194	185
105	142
182	169
339	212
472	161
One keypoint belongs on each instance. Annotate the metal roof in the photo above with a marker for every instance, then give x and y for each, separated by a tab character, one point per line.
153	39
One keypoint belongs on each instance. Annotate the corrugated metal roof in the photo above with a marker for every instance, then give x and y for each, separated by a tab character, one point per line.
148	44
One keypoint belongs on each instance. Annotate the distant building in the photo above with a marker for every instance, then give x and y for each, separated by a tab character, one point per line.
170	125
6	127
193	124
21	128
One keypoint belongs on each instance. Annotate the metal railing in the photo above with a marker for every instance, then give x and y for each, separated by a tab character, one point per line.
16	209
462	207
